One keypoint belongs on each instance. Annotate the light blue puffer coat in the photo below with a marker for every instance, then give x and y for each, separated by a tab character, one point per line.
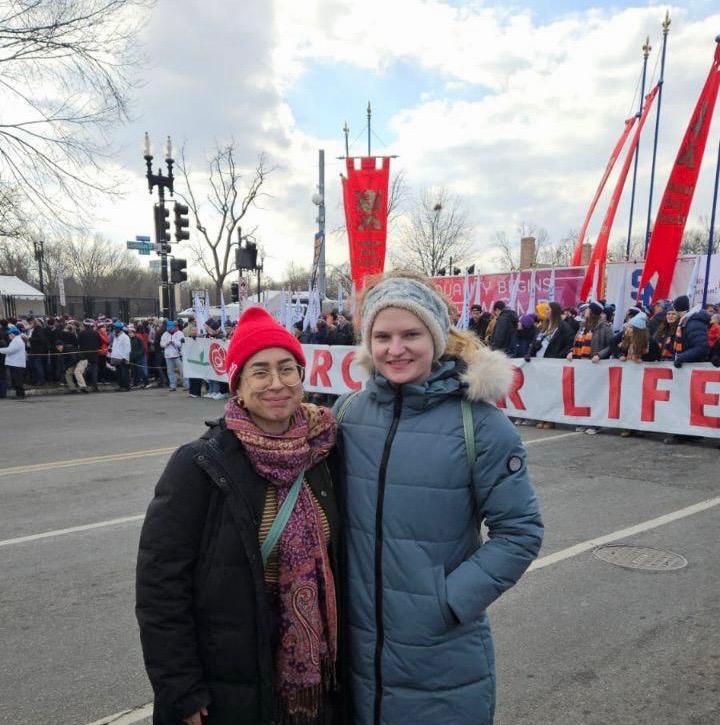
419	582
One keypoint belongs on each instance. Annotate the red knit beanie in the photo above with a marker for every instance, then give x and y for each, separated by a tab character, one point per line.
257	330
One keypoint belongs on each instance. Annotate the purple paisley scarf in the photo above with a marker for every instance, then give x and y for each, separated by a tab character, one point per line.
307	650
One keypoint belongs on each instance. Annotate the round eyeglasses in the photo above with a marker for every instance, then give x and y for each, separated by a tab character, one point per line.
288	375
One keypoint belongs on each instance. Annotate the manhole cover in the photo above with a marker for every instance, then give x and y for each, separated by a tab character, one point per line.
640	557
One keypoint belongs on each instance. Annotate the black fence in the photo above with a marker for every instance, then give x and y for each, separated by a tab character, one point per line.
79	307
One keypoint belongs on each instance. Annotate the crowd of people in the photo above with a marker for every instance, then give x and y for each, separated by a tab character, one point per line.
83	355
670	331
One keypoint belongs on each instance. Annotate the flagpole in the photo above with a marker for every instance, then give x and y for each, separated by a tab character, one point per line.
369	116
661	82
712	231
346	131
646	52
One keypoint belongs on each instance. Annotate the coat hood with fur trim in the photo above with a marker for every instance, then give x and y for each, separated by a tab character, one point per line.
487	376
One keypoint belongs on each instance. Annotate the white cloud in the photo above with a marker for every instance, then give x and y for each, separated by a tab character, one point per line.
531	112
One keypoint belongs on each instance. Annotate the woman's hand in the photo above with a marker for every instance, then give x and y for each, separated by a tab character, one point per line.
196	719
596	358
569	356
622	358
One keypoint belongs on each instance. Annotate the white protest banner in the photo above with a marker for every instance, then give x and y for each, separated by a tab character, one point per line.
610	394
623	279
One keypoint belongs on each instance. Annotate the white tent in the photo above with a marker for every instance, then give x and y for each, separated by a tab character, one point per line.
19	299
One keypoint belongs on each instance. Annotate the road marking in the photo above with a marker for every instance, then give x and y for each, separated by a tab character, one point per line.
552	438
126	717
584	546
72	530
31	468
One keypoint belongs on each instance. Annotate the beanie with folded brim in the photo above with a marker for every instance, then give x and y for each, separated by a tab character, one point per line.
417	298
257	330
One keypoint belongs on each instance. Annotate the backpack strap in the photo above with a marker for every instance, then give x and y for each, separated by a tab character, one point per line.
469	428
346	404
283	516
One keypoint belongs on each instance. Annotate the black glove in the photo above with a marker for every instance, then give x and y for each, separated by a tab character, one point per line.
527	359
716	362
677	364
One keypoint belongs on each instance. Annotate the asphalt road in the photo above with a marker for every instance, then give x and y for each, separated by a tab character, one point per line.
577	641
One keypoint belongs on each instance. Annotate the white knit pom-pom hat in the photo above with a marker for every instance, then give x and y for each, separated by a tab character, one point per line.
415	297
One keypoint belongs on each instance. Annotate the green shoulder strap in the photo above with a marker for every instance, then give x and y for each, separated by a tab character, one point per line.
469	428
283	516
346	404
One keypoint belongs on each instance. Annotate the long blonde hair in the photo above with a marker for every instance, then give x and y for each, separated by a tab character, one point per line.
461	343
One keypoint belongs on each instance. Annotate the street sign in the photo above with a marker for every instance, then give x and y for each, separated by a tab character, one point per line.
146	247
145	251
140	238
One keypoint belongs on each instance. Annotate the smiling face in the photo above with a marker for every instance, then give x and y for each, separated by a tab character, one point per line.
271	389
401	347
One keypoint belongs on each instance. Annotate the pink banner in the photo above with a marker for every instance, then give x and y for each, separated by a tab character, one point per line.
494	287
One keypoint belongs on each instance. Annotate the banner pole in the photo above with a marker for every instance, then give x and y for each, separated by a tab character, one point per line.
711	236
346	131
369	117
646	52
661	82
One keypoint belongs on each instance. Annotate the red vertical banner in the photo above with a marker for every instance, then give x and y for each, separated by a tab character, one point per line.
365	196
577	254
596	268
675	205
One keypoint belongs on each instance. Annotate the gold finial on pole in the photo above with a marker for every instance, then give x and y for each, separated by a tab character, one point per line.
647	47
666	23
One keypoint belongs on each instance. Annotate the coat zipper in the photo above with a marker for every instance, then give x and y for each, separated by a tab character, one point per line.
380	638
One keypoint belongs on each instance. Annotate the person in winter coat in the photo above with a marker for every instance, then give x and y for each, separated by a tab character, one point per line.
635	344
418	582
505	330
593	336
15	360
89	344
171	343
137	358
664	336
343	334
526	332
691	337
70	359
120	356
479	321
555	336
233	633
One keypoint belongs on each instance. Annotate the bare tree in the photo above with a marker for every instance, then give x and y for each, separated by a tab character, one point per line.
15	258
558	254
228	203
508	251
66	73
296	278
92	261
437	230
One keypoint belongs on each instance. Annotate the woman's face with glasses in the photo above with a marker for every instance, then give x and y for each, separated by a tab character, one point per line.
271	388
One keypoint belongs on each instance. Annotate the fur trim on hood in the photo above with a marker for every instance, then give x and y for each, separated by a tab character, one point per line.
489	375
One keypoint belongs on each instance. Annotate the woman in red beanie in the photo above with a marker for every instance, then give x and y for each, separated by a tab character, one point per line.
236	595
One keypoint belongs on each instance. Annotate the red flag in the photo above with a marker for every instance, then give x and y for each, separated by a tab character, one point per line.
577	254
365	194
596	268
675	205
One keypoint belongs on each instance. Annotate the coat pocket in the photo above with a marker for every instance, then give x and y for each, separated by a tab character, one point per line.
441	594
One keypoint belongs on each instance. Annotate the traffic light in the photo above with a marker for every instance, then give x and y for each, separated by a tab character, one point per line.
181	222
163	249
234	292
246	257
162	224
177	270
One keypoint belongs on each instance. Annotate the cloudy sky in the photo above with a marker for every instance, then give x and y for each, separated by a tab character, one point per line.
514	106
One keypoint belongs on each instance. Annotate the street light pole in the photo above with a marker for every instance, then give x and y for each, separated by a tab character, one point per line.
321	222
39	247
162	182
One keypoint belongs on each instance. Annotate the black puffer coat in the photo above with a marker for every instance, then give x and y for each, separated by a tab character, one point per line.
205	619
